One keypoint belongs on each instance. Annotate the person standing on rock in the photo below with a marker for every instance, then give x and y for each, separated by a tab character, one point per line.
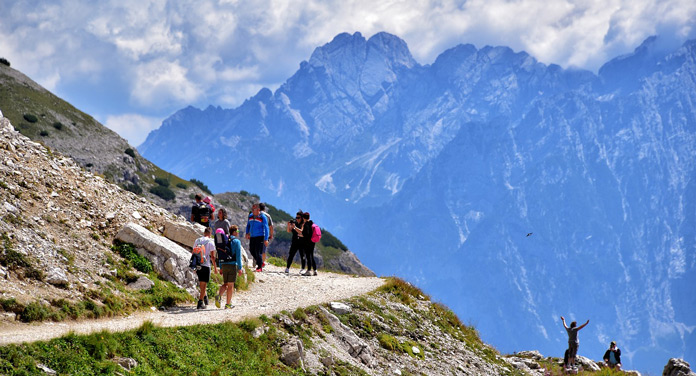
573	341
308	244
257	234
295	227
262	208
200	212
205	247
230	266
222	222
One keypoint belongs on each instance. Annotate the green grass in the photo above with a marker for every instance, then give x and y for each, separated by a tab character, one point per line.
222	349
277	261
128	252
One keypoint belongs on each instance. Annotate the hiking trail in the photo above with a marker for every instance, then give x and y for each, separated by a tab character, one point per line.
272	292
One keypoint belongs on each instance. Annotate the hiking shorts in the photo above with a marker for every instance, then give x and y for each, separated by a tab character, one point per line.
229	273
573	349
203	274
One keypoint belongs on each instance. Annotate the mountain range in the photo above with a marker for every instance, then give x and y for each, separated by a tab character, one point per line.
511	190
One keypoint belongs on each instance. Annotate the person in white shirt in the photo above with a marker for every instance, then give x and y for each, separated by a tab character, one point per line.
204	247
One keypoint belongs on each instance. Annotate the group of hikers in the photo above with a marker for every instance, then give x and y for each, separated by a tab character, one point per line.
221	247
612	357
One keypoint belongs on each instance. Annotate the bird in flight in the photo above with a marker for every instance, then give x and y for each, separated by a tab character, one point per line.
529	234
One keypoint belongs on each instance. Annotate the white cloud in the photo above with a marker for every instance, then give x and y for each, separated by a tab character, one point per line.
132	127
161	82
165	54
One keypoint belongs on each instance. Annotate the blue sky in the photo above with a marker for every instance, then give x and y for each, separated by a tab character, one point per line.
132	63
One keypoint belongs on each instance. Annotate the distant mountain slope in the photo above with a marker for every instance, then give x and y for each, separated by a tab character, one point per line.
432	171
605	184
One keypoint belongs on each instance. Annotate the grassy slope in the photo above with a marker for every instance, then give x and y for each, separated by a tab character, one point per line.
230	348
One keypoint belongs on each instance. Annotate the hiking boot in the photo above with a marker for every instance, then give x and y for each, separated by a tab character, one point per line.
287	270
229	306
315	272
307	273
217	300
258	270
205	300
200	305
302	271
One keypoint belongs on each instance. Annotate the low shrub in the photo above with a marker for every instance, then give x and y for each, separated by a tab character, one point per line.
163	192
162	181
181	185
4	61
43	133
34	312
200	185
11	305
31	118
389	342
134	187
130	152
11	258
58	125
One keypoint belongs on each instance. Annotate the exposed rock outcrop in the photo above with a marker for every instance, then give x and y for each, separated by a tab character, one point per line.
677	367
184	233
168	259
356	347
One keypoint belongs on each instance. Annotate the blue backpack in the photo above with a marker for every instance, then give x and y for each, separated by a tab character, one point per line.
223	246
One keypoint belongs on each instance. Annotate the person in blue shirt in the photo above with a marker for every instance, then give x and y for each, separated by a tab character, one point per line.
613	356
230	268
257	233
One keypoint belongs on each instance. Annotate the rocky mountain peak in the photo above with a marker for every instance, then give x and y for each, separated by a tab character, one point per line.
393	48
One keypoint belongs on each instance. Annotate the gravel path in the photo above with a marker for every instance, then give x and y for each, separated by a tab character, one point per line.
273	291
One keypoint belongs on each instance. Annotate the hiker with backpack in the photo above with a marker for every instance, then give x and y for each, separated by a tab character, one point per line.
573	341
201	212
262	208
295	227
257	234
203	250
222	222
229	256
311	234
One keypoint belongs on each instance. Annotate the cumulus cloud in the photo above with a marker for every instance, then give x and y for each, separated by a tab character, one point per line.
161	82
132	127
166	54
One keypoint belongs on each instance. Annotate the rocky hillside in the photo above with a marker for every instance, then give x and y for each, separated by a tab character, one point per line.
58	226
47	119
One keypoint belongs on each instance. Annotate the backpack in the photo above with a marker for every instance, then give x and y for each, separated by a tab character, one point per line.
202	213
316	233
223	247
198	257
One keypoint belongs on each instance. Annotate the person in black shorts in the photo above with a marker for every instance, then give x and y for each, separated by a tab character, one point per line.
205	247
573	341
